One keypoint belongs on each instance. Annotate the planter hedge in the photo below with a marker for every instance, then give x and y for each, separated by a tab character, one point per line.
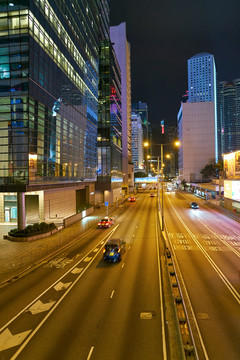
30	230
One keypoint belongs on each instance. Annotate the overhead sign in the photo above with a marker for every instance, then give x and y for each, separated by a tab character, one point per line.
106	203
149	179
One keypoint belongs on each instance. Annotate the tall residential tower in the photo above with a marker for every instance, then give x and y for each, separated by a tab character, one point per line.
197	118
118	36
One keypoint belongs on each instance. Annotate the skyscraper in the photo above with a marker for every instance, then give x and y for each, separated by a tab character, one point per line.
197	118
201	78
49	104
228	116
109	140
118	36
137	142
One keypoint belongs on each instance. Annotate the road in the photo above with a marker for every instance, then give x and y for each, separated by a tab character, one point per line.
206	248
78	307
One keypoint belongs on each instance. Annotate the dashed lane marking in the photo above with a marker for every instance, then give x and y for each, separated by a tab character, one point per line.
76	270
61	286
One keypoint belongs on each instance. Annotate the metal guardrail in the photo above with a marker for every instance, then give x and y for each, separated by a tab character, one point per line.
189	351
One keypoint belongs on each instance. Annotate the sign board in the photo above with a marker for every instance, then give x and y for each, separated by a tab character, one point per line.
106	203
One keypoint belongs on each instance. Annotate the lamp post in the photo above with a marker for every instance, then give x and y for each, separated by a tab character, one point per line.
177	143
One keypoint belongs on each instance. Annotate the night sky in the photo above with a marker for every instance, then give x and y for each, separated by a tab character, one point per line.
163	34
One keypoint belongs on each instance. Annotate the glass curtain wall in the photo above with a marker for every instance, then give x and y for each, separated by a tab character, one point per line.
109	116
48	90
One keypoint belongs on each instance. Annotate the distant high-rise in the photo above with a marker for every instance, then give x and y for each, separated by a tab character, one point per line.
137	142
141	109
197	118
118	36
201	78
228	116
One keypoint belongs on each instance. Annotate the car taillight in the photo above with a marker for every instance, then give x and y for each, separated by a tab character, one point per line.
99	223
107	223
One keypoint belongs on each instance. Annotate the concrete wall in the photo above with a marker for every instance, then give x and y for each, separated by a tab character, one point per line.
59	204
198	138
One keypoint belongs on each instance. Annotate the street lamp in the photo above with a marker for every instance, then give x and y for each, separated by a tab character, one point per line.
146	144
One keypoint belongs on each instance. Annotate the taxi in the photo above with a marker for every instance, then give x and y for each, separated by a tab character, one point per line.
105	223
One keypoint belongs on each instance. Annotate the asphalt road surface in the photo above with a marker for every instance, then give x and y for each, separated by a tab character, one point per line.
76	306
206	245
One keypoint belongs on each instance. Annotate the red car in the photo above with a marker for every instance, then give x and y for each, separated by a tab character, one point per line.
106	222
132	199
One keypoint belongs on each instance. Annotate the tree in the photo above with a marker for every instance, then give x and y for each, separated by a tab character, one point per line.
184	183
212	169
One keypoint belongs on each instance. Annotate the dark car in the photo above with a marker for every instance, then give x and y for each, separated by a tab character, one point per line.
194	205
113	250
106	222
152	195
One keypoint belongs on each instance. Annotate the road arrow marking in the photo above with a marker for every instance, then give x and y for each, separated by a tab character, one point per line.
39	307
61	286
87	259
95	250
76	270
8	340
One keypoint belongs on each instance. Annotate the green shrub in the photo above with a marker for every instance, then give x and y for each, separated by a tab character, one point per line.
29	229
36	227
52	226
43	226
32	229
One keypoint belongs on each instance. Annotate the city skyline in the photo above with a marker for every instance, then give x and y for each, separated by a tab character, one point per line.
163	36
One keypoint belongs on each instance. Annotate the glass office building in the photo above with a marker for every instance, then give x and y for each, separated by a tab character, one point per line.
228	116
48	91
110	119
49	65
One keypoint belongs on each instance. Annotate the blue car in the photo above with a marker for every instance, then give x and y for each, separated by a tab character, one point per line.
194	205
113	250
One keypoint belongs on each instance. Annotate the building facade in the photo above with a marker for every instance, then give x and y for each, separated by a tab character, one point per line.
49	105
137	143
118	36
197	118
228	116
109	140
196	133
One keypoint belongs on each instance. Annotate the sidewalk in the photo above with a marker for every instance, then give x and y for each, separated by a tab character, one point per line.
16	257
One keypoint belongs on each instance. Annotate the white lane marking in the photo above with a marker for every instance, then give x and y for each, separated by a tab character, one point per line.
102	242
39	307
112	294
95	250
87	259
123	265
231	288
90	353
228	227
61	286
129	247
8	340
190	304
59	301
133	235
76	270
222	240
